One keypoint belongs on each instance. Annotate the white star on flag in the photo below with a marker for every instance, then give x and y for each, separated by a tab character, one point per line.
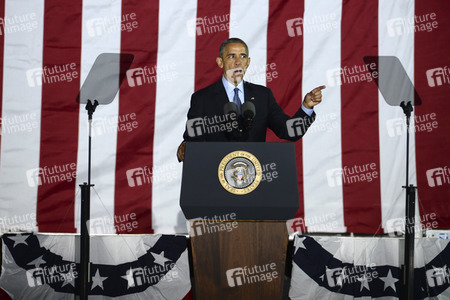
364	282
37	262
20	239
159	258
341	279
299	244
69	278
389	281
97	280
129	278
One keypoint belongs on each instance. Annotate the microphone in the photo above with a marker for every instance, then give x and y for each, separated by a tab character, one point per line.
231	112
248	113
231	109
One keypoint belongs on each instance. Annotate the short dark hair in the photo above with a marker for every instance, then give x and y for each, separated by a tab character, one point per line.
230	41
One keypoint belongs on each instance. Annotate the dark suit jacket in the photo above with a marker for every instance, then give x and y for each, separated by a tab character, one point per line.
210	102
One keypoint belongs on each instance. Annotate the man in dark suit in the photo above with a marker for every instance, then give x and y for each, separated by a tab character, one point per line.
208	122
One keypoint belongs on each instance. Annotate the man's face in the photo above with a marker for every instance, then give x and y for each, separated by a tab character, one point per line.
234	62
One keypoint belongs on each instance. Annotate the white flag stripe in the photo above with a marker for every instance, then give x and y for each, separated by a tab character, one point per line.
394	41
119	249
176	47
249	22
322	55
22	70
362	250
100	34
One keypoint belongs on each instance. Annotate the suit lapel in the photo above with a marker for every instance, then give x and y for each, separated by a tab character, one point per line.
221	94
248	92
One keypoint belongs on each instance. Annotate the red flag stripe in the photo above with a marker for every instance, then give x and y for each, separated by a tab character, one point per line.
59	118
432	81
208	41
286	53
360	141
135	147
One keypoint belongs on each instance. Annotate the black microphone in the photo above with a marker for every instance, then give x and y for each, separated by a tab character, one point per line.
231	113
231	109
248	113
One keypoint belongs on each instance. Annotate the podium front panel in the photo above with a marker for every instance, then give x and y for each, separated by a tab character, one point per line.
274	198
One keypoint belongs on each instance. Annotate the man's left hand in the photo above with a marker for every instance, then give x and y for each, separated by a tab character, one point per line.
314	97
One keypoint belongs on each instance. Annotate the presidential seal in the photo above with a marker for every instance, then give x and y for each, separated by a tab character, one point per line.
240	172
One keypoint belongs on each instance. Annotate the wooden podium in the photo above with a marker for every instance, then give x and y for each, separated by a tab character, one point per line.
251	243
239	238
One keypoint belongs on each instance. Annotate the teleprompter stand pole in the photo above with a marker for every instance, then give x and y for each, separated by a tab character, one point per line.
408	270
398	90
84	243
86	213
102	85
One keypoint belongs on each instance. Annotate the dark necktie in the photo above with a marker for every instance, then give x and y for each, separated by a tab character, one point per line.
237	100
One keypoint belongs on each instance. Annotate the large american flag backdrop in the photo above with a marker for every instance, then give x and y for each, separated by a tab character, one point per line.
351	163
